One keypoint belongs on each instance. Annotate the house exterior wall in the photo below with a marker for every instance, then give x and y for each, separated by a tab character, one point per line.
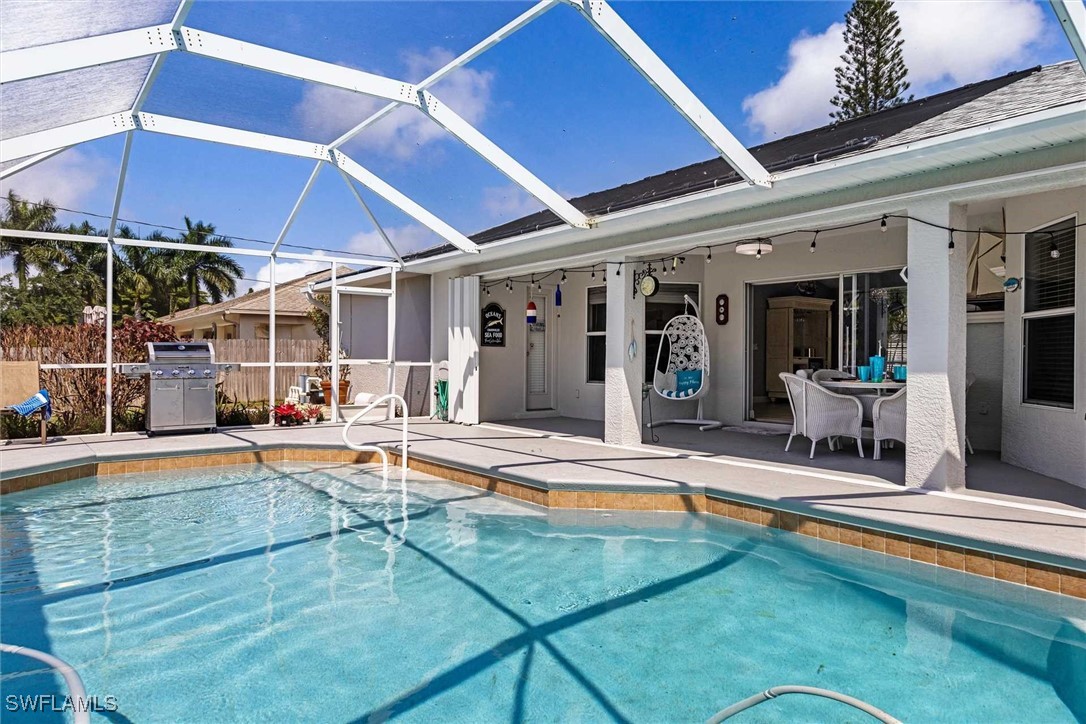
1047	440
364	322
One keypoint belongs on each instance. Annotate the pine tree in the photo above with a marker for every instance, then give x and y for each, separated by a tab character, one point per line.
872	76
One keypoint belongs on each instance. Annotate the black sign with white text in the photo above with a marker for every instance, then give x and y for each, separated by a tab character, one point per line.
493	326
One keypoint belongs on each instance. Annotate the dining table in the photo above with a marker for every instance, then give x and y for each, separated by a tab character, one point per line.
865	392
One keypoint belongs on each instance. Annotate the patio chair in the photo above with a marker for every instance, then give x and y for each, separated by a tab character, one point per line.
830	375
819	414
888	417
18	382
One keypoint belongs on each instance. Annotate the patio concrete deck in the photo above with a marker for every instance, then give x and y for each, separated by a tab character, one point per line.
1046	531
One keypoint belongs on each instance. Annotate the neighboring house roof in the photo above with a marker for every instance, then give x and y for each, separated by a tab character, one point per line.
1015	94
289	300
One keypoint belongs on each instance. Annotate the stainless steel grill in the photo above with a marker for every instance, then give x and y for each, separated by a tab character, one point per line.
181	391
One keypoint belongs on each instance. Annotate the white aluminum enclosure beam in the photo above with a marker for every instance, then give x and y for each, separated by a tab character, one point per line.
1072	17
323	258
219	47
499	159
55	139
183	128
298	205
458	62
409	207
369	213
630	45
28	162
69	55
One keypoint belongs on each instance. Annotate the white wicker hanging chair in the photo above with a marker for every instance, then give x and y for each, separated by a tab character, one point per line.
687	350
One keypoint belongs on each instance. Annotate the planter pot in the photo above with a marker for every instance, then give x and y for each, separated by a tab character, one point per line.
326	388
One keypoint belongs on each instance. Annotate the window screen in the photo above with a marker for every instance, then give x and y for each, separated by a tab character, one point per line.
1050	267
1050	360
597	334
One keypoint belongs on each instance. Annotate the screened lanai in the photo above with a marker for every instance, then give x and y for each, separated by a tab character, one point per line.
121	76
168	93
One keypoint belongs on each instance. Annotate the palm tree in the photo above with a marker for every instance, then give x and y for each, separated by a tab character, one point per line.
84	264
208	271
27	253
142	272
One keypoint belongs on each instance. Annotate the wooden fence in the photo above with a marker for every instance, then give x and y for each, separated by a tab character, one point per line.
251	383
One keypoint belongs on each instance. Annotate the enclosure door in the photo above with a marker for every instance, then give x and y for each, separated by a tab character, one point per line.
539	372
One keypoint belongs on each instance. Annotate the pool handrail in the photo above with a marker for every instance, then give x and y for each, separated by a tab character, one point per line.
775	691
374	448
76	690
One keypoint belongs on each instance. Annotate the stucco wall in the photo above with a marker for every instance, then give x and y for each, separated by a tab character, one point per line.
1048	440
365	323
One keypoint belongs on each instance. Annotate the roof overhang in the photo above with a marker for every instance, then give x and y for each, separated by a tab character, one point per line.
1054	127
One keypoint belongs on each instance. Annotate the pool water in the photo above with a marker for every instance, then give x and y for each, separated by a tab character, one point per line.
302	592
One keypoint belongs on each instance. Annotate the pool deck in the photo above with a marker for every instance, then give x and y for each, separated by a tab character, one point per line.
1050	531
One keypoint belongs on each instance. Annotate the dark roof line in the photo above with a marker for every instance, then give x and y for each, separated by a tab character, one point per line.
802	149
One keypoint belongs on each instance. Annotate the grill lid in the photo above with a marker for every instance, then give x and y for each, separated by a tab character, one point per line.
194	351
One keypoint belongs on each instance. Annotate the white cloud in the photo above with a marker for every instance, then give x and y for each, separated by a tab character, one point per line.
328	112
947	44
65	179
285	271
406	239
509	202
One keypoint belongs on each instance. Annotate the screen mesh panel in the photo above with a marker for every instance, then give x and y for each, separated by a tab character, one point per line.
37	104
29	23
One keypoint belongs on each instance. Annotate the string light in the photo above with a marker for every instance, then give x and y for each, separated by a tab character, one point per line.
814	242
709	256
950	244
882	224
563	276
1054	252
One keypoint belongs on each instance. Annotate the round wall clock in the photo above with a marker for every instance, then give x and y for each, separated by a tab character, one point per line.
649	285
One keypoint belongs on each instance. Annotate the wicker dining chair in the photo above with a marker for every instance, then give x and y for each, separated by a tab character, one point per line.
888	418
819	414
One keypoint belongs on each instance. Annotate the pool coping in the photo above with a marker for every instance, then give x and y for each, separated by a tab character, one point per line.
977	557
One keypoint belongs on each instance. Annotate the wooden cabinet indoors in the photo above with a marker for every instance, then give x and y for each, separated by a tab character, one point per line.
798	335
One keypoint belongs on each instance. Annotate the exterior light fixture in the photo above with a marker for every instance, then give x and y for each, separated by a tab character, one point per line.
814	242
1055	250
882	224
709	256
755	248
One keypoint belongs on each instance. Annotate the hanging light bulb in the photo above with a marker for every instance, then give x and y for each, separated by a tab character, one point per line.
882	224
1054	252
814	242
758	254
618	270
539	286
950	244
593	272
709	256
563	276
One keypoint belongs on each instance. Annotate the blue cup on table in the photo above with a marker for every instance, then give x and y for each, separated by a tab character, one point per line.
864	373
900	373
878	368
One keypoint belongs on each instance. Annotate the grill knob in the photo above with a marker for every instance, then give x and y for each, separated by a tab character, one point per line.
207	373
192	373
158	373
176	373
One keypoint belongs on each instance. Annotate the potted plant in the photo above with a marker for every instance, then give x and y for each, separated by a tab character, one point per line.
320	320
288	414
312	413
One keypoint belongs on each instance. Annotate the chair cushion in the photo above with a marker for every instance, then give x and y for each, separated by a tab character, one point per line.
687	382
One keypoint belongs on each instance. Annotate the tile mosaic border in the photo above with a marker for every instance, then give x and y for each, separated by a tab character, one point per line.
1055	579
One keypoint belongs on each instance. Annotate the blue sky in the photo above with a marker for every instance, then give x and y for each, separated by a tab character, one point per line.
555	95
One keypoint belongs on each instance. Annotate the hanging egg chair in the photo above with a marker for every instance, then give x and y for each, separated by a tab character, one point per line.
685	375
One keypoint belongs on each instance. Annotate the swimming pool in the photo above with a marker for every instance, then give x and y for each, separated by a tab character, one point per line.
302	592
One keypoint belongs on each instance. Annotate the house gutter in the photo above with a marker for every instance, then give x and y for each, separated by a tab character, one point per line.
312	298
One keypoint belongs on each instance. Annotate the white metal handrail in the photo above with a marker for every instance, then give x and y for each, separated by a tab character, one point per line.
391	397
776	691
81	707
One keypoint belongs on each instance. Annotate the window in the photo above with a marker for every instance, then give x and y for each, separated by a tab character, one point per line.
659	310
597	334
1048	332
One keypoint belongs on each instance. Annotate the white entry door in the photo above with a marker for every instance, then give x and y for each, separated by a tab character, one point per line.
539	372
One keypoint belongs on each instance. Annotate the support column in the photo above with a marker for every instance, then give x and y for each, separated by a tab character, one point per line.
622	390
935	410
391	348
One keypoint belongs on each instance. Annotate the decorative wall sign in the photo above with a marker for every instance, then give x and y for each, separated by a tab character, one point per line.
493	326
722	309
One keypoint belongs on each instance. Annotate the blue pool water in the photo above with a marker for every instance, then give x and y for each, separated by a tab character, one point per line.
294	593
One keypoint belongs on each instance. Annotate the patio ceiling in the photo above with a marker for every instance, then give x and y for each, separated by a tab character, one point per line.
85	70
